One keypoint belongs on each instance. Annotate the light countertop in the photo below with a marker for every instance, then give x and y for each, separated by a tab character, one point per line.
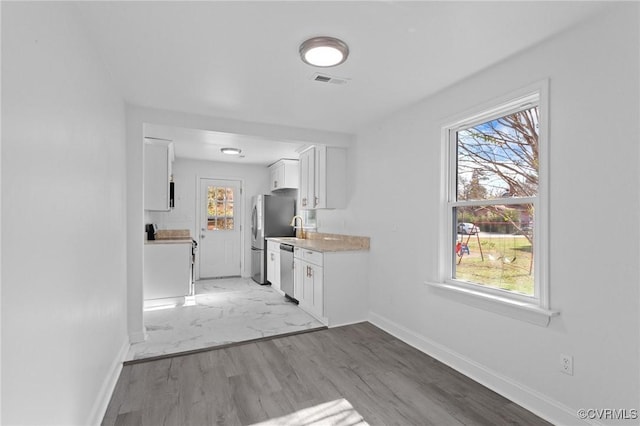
171	236
326	242
170	241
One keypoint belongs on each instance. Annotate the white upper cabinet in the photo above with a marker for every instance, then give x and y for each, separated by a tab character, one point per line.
306	193
323	178
284	175
158	159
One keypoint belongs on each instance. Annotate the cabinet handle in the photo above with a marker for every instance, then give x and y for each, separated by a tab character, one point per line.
272	256
304	201
316	201
275	183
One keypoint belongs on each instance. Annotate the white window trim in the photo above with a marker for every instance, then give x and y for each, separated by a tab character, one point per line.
536	309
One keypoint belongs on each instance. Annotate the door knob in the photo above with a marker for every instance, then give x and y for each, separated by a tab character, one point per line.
202	236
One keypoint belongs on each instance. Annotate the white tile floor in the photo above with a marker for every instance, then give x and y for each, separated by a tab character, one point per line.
225	311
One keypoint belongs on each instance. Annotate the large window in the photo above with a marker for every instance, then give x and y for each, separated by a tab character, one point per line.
495	203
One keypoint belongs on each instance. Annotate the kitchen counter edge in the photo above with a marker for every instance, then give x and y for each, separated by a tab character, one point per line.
319	245
169	241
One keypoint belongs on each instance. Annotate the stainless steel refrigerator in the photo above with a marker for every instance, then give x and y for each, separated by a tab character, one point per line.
270	217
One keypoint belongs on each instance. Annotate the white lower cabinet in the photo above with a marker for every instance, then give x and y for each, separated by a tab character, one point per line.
308	282
167	270
273	265
332	286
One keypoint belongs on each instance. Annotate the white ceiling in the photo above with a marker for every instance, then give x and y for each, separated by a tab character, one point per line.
240	59
198	144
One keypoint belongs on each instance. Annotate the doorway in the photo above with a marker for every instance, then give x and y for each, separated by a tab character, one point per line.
220	225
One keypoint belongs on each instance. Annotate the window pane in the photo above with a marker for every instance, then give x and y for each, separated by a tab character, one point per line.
494	246
499	158
219	193
220	208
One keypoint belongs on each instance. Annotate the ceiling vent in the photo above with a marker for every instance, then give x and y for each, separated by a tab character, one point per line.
325	78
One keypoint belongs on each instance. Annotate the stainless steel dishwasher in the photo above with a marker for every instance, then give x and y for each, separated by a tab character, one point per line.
286	269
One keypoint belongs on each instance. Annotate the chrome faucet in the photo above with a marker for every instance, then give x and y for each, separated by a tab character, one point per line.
300	228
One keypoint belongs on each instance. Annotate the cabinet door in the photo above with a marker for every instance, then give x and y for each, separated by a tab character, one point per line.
271	266
277	176
157	171
307	286
318	292
291	176
330	178
310	279
307	178
275	282
298	279
319	178
314	290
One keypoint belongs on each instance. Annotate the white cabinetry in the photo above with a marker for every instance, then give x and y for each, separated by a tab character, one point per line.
284	175
306	192
332	286
158	159
167	270
309	275
273	265
323	178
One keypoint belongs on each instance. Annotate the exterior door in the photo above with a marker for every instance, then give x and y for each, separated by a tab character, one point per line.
220	228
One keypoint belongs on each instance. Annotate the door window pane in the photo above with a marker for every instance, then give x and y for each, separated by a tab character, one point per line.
220	208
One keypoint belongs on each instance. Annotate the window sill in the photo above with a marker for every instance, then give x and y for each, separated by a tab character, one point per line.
523	311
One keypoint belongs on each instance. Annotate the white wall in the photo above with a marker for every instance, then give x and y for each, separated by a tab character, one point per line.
63	221
594	136
186	174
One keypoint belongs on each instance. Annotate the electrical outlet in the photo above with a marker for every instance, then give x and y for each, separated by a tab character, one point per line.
566	364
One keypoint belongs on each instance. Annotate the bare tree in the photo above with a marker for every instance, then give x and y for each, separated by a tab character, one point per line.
503	156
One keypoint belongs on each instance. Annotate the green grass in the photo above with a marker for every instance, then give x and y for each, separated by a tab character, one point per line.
505	266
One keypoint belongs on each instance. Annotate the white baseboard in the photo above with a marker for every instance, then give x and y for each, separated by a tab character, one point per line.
534	401
108	385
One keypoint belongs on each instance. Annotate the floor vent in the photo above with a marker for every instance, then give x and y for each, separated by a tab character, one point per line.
324	78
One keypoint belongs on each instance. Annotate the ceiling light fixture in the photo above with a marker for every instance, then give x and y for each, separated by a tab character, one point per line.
230	151
324	51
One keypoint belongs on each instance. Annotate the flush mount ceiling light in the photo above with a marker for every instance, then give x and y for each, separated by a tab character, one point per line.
230	151
324	51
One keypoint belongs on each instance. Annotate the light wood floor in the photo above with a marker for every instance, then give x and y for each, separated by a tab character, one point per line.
386	381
